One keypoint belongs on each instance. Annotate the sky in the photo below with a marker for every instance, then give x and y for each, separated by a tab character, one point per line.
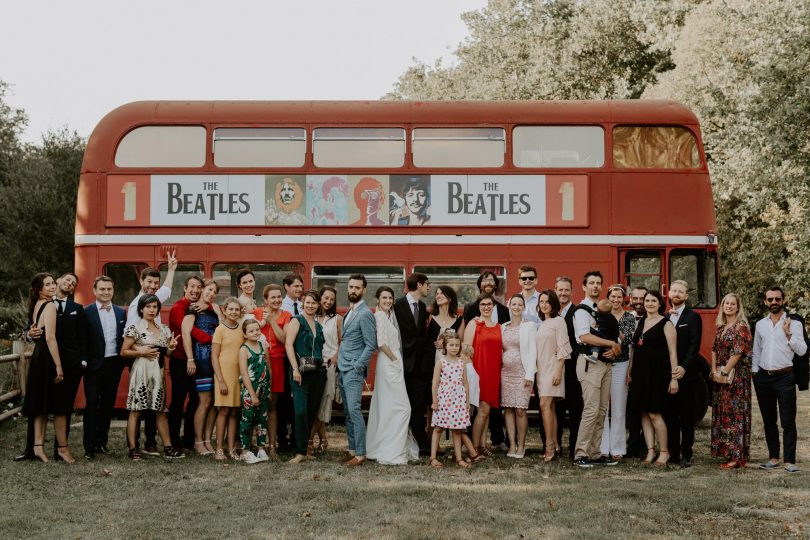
70	63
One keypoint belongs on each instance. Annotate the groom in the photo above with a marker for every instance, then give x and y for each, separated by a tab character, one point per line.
359	343
411	314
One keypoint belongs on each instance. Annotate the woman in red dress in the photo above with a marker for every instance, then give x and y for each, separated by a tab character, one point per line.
273	321
485	337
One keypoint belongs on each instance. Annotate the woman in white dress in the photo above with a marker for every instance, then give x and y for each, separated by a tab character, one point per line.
388	439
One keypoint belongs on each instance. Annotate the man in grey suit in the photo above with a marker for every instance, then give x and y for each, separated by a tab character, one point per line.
359	343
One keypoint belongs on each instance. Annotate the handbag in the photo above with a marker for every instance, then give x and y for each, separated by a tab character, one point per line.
308	364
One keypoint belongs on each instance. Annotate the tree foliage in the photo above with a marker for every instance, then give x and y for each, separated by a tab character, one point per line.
742	66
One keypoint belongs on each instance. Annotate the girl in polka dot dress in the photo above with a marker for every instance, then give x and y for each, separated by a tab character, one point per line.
450	390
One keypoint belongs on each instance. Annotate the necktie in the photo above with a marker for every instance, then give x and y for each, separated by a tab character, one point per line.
295	308
416	313
60	307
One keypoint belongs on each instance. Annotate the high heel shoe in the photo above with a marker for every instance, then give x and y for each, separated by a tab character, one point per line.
200	448
650	456
42	457
67	457
658	461
322	446
311	447
733	464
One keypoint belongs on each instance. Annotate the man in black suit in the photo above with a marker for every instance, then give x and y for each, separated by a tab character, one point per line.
680	413
105	335
71	333
411	317
489	283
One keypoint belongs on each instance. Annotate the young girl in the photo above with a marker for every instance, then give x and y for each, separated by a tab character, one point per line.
255	380
450	391
225	359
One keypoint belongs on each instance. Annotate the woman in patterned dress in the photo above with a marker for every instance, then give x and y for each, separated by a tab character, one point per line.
450	408
731	373
485	338
517	374
147	387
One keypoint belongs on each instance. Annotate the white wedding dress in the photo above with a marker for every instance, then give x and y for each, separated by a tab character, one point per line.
388	439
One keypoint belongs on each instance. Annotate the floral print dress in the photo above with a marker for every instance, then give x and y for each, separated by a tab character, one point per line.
147	384
731	403
452	411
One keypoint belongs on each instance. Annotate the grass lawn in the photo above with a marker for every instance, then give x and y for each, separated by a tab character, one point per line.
199	498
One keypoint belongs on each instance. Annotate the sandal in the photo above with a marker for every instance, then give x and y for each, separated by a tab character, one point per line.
199	447
658	461
484	450
650	456
219	455
67	457
311	447
462	464
208	446
232	455
436	464
478	457
135	454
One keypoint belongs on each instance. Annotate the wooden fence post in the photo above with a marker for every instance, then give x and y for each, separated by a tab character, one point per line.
18	348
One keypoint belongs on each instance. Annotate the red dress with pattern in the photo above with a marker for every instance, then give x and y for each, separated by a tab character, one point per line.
452	411
731	403
487	361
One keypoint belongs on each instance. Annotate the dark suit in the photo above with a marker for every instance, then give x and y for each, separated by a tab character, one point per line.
680	413
101	377
496	427
417	365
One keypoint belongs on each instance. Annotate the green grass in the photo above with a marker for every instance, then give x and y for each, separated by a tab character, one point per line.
198	498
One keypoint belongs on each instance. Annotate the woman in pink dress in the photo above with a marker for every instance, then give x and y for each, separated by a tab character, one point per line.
517	375
553	348
485	338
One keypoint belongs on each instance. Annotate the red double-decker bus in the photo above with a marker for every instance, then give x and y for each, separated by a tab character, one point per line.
327	189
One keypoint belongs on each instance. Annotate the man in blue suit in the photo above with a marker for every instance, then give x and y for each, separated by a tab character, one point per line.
359	343
105	335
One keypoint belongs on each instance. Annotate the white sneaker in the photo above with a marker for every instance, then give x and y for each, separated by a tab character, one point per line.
261	455
250	458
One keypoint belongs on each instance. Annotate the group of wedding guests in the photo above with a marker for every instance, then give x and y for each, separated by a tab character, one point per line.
250	374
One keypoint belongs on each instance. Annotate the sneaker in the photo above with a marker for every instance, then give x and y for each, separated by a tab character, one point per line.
250	458
170	452
135	454
150	451
604	460
261	455
583	463
791	468
768	466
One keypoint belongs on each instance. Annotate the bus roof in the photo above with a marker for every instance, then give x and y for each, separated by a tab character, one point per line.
105	137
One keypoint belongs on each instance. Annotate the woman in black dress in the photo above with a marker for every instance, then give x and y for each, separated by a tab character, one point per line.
45	391
653	358
443	316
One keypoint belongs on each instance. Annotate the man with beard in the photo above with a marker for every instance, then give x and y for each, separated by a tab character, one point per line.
150	284
776	339
358	344
594	376
488	283
635	440
680	413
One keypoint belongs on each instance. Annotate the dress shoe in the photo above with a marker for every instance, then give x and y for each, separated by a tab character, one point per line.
355	462
102	449
26	456
150	451
685	463
347	456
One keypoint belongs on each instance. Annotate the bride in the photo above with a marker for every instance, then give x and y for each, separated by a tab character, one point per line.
388	439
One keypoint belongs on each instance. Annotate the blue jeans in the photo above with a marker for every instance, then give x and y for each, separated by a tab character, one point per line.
352	388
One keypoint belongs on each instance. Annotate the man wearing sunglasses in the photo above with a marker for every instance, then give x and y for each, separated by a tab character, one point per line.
776	339
527	277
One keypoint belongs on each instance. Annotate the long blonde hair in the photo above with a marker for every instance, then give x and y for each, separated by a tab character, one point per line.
721	317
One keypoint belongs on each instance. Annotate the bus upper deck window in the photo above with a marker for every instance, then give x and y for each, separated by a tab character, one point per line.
259	147
459	147
558	146
654	147
358	147
162	146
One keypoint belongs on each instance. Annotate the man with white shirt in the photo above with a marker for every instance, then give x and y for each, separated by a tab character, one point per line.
150	284
527	277
594	376
294	287
776	339
105	335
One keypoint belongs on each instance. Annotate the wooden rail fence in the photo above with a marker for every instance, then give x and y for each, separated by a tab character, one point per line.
19	358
